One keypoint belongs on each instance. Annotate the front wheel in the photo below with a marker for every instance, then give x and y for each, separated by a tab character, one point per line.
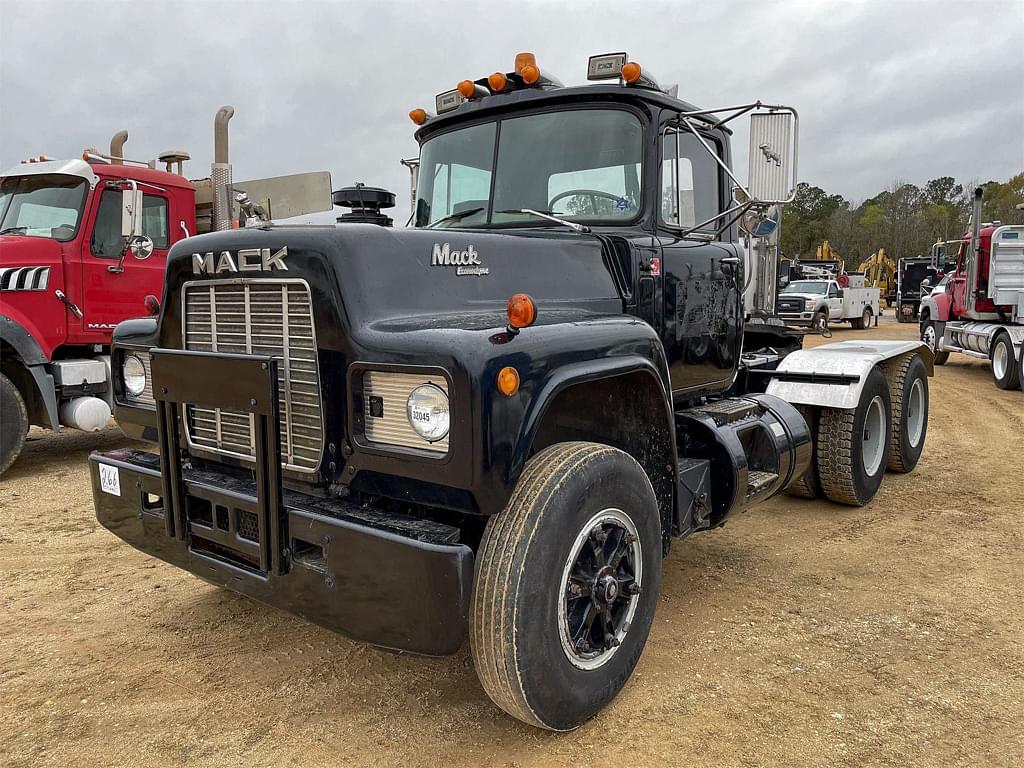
566	585
819	322
1004	365
13	423
930	337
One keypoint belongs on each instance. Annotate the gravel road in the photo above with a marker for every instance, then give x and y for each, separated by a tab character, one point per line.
801	634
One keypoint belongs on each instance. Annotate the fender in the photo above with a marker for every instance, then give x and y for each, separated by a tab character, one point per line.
841	369
579	373
34	360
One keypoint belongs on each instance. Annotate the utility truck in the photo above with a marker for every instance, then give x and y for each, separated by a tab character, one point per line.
980	311
494	424
66	229
816	303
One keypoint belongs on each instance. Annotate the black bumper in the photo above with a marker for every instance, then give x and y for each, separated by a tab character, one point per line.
384	578
343	572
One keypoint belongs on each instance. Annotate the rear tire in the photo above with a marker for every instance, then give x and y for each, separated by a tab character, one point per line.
1005	373
930	336
13	423
853	446
908	388
537	656
807	486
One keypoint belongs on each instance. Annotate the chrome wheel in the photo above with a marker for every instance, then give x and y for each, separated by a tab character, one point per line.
928	337
915	413
1000	360
599	589
874	436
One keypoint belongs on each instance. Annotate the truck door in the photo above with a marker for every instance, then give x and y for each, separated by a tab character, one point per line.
958	285
702	285
835	302
110	296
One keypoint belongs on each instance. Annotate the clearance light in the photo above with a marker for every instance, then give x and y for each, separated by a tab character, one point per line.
631	72
418	116
449	100
522	312
508	381
470	90
497	82
530	74
523	60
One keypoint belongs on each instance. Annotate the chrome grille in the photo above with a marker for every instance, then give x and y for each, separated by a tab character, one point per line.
393	427
258	317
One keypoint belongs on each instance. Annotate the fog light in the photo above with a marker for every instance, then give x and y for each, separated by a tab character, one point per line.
427	409
134	375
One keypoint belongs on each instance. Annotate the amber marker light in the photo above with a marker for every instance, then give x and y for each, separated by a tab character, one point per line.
522	60
497	82
530	74
508	381
631	72
521	312
418	116
467	88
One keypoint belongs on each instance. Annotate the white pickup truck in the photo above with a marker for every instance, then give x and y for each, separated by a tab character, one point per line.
818	302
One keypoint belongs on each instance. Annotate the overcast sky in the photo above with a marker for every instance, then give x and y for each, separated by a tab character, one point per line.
886	89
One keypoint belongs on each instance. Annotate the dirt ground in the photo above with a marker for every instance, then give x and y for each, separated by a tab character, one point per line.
801	634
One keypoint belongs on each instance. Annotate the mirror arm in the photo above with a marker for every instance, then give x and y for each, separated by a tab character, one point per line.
738	209
714	155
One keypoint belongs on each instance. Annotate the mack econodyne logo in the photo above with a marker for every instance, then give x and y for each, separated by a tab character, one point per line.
466	262
245	260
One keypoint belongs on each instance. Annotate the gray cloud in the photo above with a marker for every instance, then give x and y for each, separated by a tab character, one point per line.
897	89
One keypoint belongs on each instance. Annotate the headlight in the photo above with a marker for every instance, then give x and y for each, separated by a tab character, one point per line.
134	375
427	409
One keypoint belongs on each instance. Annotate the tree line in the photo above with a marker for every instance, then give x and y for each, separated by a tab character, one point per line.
905	219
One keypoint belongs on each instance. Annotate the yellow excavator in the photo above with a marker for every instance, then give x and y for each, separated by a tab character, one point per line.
880	272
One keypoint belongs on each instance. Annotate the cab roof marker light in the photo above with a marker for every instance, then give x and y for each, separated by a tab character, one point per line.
447	101
524	60
606	66
497	82
471	90
419	115
634	74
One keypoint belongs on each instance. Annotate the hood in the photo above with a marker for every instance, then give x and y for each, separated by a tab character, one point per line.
801	296
449	278
30	263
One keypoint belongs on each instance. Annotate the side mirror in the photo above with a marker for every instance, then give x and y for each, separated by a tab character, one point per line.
131	212
771	172
141	247
758	222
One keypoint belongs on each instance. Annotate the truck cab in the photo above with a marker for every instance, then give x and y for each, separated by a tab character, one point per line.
494	424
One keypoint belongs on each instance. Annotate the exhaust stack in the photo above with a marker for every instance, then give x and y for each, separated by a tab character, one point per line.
117	142
220	173
973	293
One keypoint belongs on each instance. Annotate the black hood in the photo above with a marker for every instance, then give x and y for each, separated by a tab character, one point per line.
385	275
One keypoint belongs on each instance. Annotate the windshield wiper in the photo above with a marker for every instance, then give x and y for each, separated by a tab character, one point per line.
455	217
564	222
12	230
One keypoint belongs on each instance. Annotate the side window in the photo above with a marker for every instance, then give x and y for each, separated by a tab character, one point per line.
106	234
689	180
833	290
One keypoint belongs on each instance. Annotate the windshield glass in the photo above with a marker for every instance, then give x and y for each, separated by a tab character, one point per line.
41	206
582	164
806	286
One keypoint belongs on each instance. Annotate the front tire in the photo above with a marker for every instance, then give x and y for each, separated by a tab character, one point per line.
853	445
13	423
819	322
930	336
1005	373
909	393
579	540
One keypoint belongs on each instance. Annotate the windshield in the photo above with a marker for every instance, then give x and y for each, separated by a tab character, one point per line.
41	206
806	286
582	164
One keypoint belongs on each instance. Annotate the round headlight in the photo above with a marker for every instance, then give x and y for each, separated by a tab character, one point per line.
427	409
134	374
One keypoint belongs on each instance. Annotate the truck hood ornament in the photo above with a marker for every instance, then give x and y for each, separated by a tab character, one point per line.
466	262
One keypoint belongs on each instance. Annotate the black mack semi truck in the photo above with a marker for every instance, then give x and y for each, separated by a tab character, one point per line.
494	423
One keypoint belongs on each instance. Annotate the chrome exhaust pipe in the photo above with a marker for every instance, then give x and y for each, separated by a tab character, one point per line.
220	173
117	142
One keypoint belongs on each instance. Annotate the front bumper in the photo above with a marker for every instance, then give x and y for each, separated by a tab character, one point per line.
345	570
796	318
381	577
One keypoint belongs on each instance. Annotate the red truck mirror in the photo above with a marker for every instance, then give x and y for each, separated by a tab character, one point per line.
131	212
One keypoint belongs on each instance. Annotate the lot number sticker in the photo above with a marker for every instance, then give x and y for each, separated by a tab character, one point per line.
110	481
